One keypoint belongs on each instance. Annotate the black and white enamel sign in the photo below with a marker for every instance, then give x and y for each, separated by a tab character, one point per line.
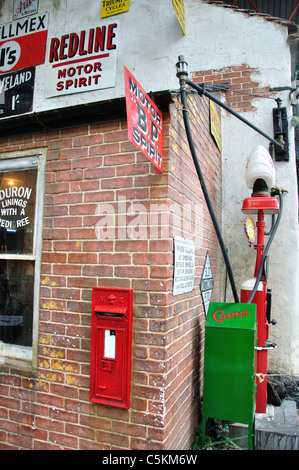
206	284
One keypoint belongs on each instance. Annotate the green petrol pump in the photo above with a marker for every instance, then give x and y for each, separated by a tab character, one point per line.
229	368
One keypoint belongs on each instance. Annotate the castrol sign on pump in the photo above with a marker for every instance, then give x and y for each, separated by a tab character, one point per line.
230	315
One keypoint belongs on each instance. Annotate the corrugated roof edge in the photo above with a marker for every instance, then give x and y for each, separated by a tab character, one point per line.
292	27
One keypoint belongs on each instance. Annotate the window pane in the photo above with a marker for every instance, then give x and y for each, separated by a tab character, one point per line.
17	209
16	301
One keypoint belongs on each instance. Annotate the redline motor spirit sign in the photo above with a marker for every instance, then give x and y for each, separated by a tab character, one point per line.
145	124
23	43
82	61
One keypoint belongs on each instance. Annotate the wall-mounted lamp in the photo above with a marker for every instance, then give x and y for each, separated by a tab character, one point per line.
280	126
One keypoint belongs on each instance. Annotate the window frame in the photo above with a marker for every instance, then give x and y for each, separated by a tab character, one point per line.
14	161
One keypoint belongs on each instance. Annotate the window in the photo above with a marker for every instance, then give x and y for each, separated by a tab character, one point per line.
21	215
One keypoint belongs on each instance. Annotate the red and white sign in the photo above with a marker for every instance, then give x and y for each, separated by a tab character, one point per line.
23	43
23	8
145	124
82	61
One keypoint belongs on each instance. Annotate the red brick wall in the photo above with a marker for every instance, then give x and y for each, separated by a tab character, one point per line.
242	85
185	355
89	168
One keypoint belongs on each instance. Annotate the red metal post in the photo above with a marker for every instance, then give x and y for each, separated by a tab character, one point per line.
260	299
260	205
263	326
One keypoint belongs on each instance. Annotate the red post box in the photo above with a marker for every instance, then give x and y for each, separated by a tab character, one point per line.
111	346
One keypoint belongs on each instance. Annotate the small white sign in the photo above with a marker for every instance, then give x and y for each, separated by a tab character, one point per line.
184	264
109	344
24	8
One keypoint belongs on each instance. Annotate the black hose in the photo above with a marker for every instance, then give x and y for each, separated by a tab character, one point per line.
273	232
272	225
205	192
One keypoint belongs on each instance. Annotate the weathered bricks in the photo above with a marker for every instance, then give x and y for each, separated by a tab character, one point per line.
90	168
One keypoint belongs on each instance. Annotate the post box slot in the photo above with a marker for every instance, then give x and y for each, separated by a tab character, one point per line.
109	314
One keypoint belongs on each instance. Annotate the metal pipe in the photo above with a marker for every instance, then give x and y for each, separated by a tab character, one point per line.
293	12
202	91
182	74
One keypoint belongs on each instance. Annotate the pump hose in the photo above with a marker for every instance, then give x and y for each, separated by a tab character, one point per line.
273	232
205	191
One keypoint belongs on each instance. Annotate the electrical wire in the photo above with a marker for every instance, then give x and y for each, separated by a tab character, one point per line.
247	93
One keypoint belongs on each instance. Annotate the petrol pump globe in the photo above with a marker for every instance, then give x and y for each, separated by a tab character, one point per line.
260	168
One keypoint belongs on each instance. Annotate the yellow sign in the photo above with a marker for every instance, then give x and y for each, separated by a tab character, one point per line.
250	230
179	9
114	7
215	125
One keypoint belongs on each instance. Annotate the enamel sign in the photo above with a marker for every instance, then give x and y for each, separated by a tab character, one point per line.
179	9
114	7
23	8
23	43
145	125
16	92
215	124
206	284
184	265
80	61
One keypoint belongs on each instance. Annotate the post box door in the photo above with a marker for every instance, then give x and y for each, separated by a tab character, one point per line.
111	338
111	368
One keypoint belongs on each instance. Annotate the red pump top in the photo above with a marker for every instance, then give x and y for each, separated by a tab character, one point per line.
252	205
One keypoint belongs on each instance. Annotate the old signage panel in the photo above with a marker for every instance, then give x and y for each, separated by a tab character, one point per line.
23	8
16	92
215	124
145	123
206	284
184	265
179	9
23	43
80	61
110	7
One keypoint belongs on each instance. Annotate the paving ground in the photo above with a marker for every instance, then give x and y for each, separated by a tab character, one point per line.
278	429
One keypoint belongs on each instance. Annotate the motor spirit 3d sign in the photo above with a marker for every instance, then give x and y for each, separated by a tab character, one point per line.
82	61
23	43
145	123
